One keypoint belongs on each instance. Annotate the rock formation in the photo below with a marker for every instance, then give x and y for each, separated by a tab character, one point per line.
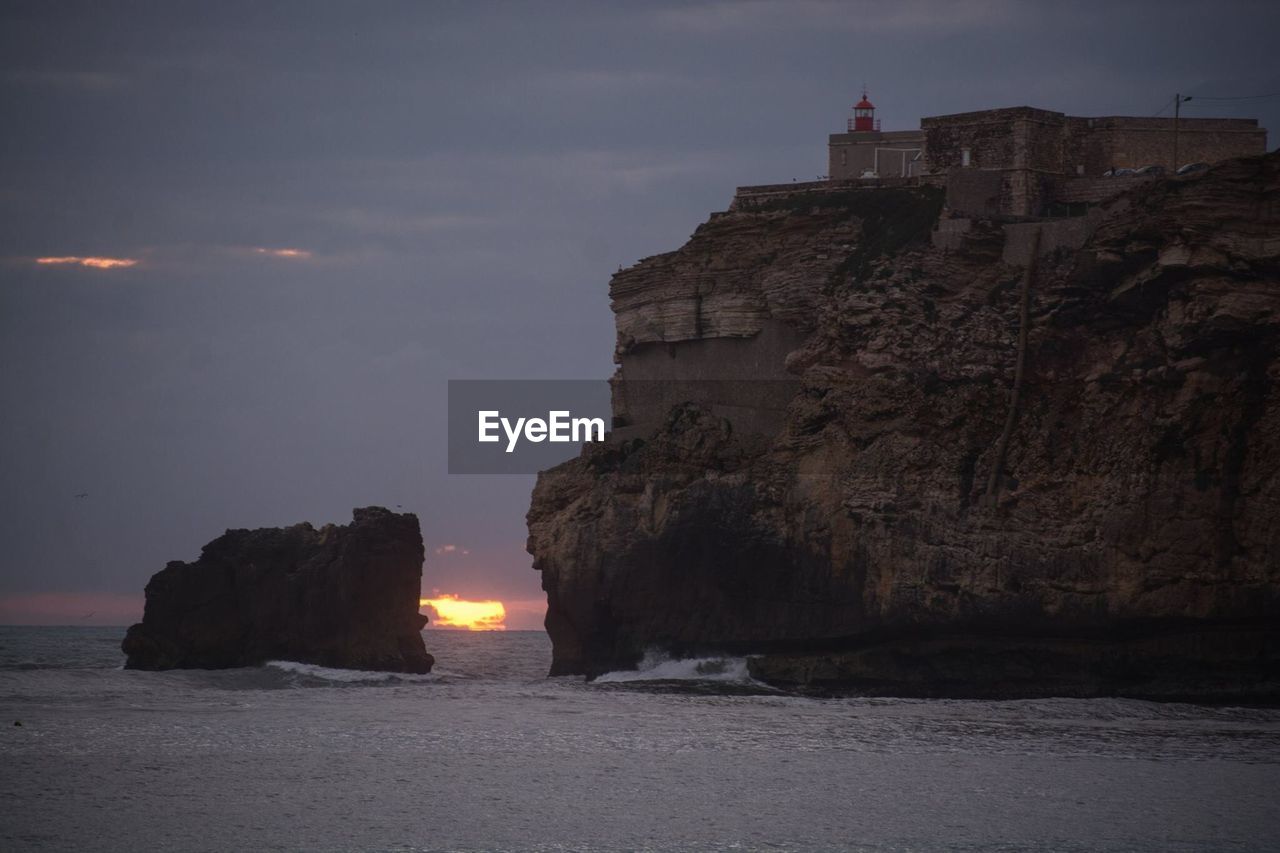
1014	459
341	596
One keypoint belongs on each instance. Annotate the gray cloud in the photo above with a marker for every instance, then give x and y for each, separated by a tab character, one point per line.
466	178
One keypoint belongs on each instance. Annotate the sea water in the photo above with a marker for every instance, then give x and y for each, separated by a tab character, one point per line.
488	754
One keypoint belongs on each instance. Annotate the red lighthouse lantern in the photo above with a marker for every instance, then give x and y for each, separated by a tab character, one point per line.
864	115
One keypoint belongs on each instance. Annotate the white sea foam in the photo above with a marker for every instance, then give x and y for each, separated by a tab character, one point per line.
346	676
656	666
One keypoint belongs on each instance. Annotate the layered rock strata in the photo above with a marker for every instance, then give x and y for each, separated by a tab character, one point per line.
1053	477
341	596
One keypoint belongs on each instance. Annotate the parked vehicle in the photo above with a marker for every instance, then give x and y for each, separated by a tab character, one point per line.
1192	167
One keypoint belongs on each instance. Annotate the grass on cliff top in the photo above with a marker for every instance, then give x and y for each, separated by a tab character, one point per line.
892	219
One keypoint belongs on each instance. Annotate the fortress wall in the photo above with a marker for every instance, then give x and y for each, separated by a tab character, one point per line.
1022	143
1099	144
745	197
1137	146
1041	143
1037	149
1057	234
742	379
975	191
996	139
1093	190
1025	192
950	233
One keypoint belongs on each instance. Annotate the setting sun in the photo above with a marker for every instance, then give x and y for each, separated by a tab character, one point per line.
454	612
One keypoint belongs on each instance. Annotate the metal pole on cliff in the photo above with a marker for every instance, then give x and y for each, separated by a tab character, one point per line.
1177	111
1019	370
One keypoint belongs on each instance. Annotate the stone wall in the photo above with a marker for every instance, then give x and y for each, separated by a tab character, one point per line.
1038	151
745	197
749	197
1126	142
1041	140
1094	190
889	154
1022	143
996	139
975	191
951	232
744	380
1070	234
715	322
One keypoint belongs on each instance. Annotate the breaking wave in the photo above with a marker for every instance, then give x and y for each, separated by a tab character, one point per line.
656	666
307	674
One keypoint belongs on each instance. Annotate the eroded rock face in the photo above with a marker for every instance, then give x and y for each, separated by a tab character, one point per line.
341	596
1130	541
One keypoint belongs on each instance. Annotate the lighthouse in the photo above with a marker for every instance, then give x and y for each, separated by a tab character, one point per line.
864	116
865	152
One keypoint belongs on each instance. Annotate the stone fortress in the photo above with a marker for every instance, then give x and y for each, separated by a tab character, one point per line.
720	322
1028	162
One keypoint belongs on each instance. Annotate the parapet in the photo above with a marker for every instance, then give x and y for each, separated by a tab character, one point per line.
749	196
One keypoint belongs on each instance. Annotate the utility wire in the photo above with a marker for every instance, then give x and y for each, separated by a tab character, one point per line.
1236	97
1166	106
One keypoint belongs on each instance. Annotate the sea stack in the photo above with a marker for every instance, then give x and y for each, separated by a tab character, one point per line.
340	596
884	445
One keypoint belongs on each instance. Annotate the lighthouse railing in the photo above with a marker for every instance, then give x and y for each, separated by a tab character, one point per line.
852	125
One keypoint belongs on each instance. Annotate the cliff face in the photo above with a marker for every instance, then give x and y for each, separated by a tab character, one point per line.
911	525
340	596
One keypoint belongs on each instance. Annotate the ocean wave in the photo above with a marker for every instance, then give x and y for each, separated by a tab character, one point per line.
28	665
59	666
656	666
308	674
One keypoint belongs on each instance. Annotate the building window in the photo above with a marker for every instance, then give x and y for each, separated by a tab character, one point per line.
844	157
964	156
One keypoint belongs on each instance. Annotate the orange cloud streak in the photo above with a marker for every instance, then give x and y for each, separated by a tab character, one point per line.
301	254
454	612
96	263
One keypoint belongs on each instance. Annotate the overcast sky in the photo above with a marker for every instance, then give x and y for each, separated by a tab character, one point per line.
457	181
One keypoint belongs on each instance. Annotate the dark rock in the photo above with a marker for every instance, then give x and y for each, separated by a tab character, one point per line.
899	533
341	596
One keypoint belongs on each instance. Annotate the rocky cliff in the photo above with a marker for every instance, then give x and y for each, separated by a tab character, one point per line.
341	596
1015	459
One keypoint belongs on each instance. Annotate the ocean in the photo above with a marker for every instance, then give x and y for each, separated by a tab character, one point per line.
488	754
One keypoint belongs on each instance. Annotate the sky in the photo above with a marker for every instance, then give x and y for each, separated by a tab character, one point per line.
335	208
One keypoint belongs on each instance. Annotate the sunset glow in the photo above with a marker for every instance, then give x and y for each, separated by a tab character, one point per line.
300	254
96	263
454	612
